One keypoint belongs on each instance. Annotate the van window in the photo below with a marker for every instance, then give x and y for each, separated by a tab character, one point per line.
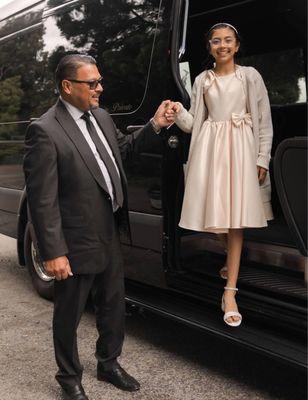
22	83
285	81
20	19
119	35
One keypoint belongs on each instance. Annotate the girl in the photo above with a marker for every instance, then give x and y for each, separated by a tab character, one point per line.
227	184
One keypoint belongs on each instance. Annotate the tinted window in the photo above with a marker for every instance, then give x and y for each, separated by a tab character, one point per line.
22	84
285	81
20	19
119	35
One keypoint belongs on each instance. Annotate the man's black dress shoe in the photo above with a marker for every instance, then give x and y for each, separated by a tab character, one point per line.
74	392
118	377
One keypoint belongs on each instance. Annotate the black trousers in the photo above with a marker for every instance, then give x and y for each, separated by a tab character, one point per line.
70	297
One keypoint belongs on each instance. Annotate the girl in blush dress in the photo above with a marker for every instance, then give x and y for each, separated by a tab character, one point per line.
227	184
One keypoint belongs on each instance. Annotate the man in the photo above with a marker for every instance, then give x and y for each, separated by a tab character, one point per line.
76	186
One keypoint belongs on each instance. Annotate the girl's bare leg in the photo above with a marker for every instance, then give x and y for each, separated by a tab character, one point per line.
235	244
223	238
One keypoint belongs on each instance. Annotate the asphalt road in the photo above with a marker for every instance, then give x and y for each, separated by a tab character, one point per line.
172	362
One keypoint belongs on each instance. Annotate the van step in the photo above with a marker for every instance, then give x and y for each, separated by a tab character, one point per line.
275	299
278	284
174	305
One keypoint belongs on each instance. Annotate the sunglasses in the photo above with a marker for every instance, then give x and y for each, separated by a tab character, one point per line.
92	84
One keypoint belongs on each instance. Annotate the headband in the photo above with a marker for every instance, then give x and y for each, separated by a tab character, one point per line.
224	23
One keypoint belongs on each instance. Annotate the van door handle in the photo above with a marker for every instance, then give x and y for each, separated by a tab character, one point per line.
133	128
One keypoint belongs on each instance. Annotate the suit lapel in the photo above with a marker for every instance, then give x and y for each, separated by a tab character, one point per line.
73	132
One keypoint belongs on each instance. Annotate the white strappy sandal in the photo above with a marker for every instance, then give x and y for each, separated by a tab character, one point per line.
230	313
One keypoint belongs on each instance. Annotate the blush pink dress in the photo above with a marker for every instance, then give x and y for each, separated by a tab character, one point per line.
222	189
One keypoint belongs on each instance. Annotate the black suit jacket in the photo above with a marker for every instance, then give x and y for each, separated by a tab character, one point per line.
68	199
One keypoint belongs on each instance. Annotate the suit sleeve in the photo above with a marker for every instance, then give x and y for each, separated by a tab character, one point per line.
142	139
41	175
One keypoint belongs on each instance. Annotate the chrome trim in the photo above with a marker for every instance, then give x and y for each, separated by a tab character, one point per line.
14	122
133	128
29	28
49	11
182	49
12	9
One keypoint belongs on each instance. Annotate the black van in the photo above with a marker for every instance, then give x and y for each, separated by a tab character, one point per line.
147	51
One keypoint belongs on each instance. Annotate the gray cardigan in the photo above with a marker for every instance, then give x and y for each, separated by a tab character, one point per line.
257	104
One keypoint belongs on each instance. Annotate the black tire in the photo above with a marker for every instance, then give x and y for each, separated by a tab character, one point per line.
42	283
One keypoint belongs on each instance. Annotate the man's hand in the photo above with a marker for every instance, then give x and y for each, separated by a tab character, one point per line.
58	267
160	117
261	174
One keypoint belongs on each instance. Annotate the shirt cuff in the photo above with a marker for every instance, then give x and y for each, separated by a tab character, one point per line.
155	126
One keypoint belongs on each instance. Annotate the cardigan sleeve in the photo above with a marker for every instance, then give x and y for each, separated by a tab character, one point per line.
265	123
185	119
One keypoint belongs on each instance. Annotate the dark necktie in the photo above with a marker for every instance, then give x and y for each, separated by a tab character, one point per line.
115	179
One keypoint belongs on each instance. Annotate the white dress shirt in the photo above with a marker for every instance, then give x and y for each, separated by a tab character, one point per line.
81	123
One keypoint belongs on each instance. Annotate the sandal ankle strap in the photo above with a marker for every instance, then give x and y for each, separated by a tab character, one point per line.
231	288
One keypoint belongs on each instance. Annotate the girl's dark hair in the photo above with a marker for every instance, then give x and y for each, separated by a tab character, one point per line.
68	65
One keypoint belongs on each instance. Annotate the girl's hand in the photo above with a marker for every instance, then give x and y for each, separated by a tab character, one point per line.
172	109
177	107
261	174
160	117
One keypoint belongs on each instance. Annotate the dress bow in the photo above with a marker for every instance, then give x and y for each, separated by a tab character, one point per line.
239	119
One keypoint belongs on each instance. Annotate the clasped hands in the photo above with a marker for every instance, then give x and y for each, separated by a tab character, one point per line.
166	112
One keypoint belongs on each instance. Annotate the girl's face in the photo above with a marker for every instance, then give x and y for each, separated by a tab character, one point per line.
223	45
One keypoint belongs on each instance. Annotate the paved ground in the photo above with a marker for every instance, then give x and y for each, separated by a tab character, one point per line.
172	362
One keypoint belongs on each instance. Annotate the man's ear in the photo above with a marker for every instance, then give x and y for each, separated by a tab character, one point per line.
66	86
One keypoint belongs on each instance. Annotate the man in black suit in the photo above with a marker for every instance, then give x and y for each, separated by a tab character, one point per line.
76	186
